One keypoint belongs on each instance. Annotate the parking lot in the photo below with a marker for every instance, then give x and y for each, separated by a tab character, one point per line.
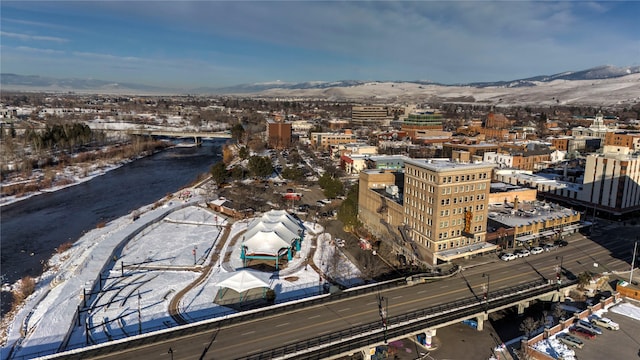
621	344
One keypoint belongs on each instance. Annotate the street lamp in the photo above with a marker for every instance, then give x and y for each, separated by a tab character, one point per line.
383	313
485	288
559	272
633	261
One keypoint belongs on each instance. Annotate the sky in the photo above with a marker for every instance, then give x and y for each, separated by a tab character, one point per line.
191	44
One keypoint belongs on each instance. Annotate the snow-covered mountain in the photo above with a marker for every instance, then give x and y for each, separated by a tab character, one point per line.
47	84
598	86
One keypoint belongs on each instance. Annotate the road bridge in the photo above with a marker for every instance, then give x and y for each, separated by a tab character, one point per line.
348	322
319	328
196	135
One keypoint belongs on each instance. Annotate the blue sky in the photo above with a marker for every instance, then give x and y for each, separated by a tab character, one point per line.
221	43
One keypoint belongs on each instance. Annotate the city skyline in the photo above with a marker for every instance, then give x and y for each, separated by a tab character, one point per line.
217	44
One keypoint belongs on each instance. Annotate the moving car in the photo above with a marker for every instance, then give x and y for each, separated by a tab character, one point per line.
549	247
570	340
604	322
537	250
589	326
561	243
522	253
582	332
508	257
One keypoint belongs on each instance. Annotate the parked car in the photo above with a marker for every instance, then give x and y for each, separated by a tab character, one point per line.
537	250
522	253
570	340
589	326
549	247
604	322
582	332
508	257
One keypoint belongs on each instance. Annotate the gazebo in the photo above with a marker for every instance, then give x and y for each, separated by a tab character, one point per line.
245	285
271	237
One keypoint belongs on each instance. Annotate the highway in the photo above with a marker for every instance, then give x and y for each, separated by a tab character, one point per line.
249	337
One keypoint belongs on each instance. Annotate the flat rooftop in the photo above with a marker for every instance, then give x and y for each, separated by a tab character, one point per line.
527	213
439	165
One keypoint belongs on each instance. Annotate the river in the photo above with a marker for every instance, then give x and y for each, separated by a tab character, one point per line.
31	229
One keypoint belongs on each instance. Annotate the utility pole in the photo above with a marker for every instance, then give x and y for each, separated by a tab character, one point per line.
559	272
486	292
195	247
139	316
633	261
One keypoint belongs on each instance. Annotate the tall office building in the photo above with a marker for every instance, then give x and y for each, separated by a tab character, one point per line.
445	206
370	115
278	134
612	181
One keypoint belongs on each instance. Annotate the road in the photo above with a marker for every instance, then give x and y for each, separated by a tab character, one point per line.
258	335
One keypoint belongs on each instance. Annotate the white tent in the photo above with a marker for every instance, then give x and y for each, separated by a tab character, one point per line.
281	229
266	243
244	280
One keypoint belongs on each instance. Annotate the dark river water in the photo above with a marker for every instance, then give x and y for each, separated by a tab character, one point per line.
31	229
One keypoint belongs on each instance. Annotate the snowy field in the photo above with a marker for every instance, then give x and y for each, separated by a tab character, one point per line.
131	271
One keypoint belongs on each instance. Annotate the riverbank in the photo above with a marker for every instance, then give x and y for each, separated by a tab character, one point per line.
34	228
69	175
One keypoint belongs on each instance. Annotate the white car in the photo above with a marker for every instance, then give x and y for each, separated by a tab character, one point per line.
537	250
604	322
522	253
508	257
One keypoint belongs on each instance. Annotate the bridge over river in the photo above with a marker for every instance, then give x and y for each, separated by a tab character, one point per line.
196	135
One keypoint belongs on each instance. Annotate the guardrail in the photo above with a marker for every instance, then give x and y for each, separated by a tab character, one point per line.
161	333
361	336
402	324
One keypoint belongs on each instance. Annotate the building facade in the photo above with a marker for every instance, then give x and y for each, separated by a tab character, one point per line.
612	180
278	134
445	207
324	140
363	115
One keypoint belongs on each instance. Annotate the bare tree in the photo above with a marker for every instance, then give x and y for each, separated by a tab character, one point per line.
529	326
558	311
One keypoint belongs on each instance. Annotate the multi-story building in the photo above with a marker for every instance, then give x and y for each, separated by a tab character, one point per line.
610	184
597	129
417	123
612	180
278	134
522	160
474	149
630	139
445	207
380	203
324	140
370	115
498	121
530	222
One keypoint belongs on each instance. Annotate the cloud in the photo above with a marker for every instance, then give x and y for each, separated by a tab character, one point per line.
31	23
26	37
39	50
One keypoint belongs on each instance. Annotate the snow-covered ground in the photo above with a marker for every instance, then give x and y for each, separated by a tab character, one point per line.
623	91
131	269
554	348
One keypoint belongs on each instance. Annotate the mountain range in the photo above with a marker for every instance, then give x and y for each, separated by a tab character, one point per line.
603	85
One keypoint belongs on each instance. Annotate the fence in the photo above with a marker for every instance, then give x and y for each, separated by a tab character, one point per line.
527	345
